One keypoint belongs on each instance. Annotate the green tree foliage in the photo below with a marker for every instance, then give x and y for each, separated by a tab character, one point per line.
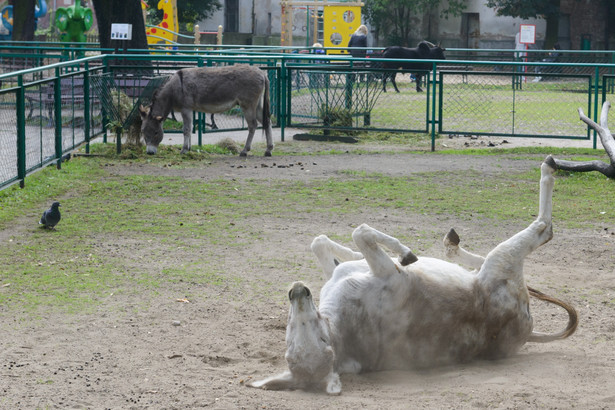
525	9
394	18
189	12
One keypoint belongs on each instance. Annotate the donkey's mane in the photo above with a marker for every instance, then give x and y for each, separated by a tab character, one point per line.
156	93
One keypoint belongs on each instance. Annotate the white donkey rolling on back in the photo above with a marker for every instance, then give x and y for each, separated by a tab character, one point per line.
379	313
212	90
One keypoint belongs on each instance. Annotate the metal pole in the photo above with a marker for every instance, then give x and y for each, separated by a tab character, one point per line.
199	116
21	132
57	98
596	117
285	99
86	108
433	108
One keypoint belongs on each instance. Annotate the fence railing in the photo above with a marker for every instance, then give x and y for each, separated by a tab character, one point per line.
48	111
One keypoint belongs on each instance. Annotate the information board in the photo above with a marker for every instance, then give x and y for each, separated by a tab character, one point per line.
527	33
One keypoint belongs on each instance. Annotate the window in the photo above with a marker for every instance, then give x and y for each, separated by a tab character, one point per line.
231	16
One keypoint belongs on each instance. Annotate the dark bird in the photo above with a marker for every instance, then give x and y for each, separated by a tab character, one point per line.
52	216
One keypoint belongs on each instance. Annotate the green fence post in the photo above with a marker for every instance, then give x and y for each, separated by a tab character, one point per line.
285	98
118	141
86	108
433	107
57	105
350	80
105	119
21	132
199	116
440	101
596	89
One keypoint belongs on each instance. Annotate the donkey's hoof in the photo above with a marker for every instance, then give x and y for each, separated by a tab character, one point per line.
550	161
407	259
243	154
267	153
452	237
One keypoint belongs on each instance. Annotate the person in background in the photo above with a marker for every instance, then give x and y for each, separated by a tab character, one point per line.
317	48
358	39
551	58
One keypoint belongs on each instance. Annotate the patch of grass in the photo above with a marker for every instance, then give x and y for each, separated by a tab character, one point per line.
114	225
43	187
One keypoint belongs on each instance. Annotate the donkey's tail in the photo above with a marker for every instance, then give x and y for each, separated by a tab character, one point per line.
573	319
266	104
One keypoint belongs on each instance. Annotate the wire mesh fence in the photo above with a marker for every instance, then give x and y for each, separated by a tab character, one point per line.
351	99
512	104
49	111
8	137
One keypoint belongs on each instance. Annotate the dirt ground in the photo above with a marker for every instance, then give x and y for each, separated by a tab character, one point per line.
164	353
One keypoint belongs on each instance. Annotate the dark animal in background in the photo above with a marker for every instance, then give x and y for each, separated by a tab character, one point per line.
424	51
211	90
51	217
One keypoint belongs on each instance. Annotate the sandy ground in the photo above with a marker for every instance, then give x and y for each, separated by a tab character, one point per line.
154	351
446	142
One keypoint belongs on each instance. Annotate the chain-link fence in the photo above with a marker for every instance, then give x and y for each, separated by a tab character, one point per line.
46	112
8	136
471	98
350	99
510	104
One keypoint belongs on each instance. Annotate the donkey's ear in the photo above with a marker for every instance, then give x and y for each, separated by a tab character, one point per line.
143	111
284	381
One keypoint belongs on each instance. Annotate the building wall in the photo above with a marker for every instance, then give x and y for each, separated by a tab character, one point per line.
495	31
587	21
260	23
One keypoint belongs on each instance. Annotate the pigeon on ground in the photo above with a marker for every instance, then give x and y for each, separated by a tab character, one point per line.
51	217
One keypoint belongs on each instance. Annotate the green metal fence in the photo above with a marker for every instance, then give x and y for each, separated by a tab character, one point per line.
44	114
48	111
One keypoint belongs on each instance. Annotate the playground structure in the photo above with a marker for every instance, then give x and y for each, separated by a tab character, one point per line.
40	9
198	34
340	21
166	31
73	22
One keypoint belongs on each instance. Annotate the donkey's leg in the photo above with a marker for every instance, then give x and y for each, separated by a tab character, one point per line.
268	133
505	262
187	119
368	241
393	75
457	254
329	252
250	115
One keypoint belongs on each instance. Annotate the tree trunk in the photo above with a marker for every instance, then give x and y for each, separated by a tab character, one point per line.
608	143
23	20
121	12
551	36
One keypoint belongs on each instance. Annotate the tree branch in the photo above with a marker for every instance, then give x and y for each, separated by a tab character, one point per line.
586	166
608	143
603	131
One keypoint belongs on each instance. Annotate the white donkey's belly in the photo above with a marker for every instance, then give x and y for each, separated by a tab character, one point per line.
431	313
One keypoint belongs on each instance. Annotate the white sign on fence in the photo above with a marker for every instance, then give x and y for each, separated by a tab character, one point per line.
121	31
